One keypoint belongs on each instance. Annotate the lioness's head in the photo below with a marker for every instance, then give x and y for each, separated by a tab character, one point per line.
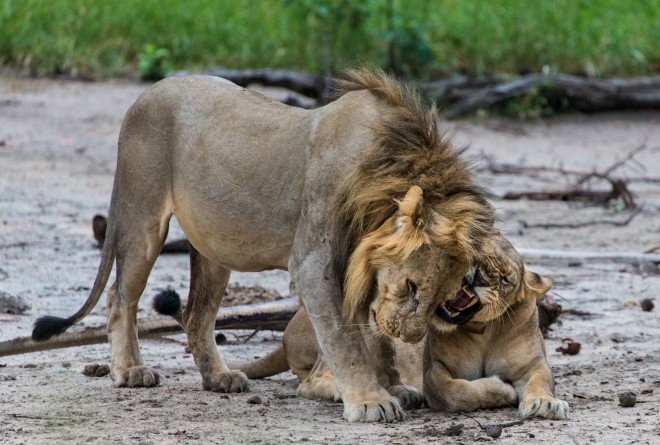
400	273
495	282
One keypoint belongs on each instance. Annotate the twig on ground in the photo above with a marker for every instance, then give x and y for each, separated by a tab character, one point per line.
617	223
578	190
249	337
547	256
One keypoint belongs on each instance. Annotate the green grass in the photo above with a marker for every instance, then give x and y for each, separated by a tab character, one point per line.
431	38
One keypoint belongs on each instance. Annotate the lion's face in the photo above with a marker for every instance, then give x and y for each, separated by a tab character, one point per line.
491	286
401	272
408	293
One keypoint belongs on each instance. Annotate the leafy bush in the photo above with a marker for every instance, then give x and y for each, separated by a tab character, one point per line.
153	62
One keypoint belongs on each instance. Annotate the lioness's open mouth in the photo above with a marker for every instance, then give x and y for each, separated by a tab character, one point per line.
462	308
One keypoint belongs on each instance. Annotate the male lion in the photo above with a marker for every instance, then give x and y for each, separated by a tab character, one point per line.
462	366
362	198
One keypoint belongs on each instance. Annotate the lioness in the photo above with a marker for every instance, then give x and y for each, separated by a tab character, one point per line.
356	199
484	349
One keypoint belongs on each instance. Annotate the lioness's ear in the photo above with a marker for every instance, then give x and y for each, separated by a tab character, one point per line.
538	284
412	205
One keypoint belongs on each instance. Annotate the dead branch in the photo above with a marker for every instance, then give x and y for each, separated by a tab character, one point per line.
579	225
579	192
273	315
559	256
582	93
628	157
470	93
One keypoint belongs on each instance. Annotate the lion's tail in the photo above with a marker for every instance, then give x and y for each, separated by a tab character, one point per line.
49	326
272	364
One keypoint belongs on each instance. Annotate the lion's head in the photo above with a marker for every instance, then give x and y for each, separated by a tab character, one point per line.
408	220
494	283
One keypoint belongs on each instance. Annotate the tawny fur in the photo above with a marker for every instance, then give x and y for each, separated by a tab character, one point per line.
462	369
408	150
257	185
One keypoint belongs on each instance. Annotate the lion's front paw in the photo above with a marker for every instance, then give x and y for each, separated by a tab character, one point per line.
135	376
387	409
232	381
543	406
408	396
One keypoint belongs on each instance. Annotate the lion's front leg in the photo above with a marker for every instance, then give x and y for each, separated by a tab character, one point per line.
444	392
384	356
207	287
365	400
537	396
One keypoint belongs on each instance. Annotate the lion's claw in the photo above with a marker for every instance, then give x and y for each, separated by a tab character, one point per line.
387	410
548	407
232	381
135	376
408	396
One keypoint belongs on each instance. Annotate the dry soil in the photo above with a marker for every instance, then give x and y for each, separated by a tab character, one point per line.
57	157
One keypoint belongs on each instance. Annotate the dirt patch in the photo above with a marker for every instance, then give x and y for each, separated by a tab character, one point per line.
57	161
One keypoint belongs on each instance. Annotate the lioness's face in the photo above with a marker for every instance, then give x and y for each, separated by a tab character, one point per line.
408	293
491	286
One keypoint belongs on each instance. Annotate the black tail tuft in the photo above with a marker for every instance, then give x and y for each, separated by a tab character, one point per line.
167	302
48	326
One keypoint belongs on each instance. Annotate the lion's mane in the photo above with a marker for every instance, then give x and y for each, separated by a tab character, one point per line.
408	150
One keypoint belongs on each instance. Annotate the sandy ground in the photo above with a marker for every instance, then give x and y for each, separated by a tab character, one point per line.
57	154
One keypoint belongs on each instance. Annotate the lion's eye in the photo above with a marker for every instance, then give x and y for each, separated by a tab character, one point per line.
412	288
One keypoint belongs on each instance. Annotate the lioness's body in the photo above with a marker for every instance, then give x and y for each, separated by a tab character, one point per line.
257	185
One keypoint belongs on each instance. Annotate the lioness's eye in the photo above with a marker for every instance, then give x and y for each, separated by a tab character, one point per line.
479	280
412	288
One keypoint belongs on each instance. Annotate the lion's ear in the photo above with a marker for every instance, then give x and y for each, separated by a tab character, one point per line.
412	206
538	284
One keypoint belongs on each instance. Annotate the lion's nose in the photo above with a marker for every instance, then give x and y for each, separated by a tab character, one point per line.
413	334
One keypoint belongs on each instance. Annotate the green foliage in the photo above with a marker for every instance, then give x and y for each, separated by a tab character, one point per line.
424	38
153	62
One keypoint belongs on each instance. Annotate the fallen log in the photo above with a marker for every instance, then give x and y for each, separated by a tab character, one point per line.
467	94
583	94
273	315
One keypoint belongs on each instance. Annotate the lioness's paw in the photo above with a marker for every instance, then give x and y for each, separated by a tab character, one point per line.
387	409
232	381
408	396
503	391
543	406
135	376
317	389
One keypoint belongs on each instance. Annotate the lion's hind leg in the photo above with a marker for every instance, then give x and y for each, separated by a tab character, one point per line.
207	288
137	250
